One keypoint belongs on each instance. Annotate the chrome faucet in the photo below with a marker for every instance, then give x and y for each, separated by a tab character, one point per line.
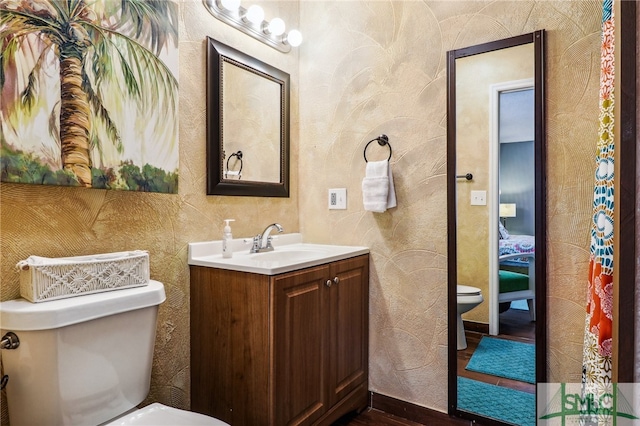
262	242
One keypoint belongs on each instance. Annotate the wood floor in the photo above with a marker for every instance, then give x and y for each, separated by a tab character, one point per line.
371	417
374	417
514	324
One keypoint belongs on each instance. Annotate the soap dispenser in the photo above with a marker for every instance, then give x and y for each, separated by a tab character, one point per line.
227	250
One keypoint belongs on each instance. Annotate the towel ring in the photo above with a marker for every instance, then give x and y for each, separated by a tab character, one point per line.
235	154
382	141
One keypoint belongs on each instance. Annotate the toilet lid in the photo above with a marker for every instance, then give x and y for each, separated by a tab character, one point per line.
160	415
467	290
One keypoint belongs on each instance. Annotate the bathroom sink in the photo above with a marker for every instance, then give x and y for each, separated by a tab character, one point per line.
295	252
289	254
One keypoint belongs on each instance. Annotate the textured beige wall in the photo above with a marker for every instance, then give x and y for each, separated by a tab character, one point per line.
60	221
379	67
474	77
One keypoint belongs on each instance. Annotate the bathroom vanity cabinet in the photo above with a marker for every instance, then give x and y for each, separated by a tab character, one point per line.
287	349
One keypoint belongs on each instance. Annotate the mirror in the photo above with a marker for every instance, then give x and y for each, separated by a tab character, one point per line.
496	229
247	125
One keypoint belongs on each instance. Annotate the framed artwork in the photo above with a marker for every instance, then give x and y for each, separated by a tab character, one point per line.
89	93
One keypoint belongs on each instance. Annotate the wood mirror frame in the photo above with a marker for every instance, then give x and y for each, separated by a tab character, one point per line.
537	38
218	55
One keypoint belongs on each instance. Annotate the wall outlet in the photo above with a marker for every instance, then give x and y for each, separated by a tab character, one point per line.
478	198
338	199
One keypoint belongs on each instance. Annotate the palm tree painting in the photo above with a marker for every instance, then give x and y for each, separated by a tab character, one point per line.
89	93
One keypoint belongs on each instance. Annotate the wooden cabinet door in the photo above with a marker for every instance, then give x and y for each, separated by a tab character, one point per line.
300	349
229	345
349	337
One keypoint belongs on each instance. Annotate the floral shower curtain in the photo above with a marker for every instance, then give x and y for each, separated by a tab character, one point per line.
597	361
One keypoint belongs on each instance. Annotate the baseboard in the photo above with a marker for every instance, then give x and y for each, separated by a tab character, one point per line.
478	327
412	412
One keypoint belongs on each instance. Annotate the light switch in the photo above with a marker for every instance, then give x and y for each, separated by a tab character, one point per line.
478	198
338	199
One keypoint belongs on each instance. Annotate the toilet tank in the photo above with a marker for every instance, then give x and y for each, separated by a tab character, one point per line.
82	360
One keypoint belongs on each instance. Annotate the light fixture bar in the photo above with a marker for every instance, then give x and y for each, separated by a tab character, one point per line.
234	18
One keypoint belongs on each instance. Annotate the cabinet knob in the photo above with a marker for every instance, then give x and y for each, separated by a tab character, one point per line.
336	280
328	283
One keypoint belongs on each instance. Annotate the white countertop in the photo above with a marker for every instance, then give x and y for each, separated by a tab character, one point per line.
289	254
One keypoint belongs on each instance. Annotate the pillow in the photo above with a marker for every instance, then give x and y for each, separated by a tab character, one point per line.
504	234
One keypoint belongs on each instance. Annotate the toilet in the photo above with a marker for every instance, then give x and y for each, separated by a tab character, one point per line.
468	298
86	360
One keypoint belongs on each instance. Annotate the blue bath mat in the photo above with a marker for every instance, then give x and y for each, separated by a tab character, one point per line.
496	402
504	358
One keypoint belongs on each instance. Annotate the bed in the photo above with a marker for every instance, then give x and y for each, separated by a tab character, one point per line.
512	244
516	274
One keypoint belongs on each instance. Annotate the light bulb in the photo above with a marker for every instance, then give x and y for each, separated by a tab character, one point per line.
231	5
294	38
276	27
255	14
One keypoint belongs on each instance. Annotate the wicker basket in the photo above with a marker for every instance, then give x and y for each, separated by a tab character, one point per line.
43	279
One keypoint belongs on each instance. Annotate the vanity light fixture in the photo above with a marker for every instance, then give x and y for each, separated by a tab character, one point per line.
231	5
255	15
294	38
275	27
251	22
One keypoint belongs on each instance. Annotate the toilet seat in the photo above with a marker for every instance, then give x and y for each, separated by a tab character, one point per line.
160	415
467	290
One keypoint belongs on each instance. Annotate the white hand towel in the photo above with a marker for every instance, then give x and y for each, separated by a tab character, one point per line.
378	193
391	198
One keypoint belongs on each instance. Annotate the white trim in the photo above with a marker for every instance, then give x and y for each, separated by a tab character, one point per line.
493	197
